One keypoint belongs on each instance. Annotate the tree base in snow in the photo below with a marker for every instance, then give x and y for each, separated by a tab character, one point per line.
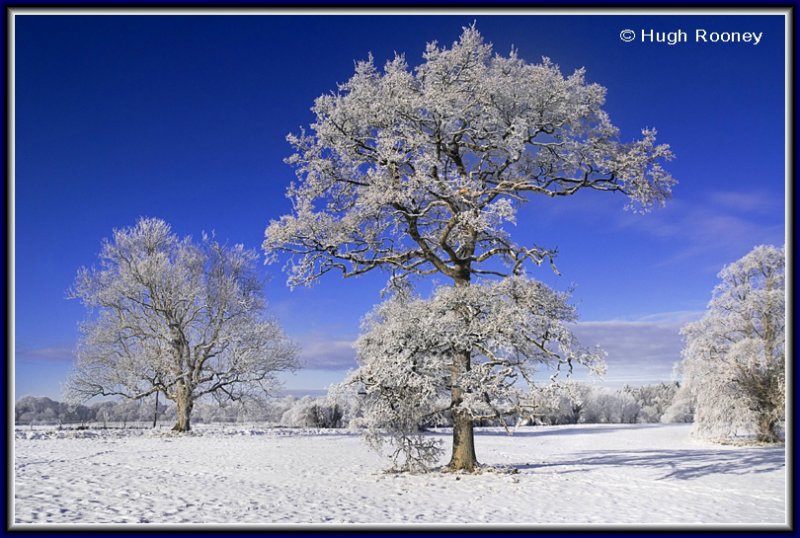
481	469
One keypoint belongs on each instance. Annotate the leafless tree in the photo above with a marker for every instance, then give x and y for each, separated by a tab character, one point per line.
175	317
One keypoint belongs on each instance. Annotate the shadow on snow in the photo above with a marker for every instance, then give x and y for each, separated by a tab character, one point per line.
676	464
538	431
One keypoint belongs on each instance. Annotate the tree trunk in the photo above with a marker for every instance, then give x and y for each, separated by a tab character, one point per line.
766	429
155	413
184	404
463	458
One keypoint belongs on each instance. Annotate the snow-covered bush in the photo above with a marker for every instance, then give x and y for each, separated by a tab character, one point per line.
273	411
652	401
734	357
311	412
606	406
555	403
681	409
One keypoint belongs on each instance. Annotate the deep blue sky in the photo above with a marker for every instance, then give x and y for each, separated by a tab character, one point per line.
185	117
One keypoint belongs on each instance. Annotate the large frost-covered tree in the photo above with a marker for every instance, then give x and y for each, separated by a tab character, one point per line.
420	171
407	376
734	359
175	317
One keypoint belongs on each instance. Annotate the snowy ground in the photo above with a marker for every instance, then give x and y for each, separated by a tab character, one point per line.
585	474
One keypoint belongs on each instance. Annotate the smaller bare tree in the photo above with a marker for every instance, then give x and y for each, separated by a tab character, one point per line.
175	317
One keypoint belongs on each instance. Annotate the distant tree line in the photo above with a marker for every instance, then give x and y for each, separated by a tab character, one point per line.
289	411
581	403
567	403
32	410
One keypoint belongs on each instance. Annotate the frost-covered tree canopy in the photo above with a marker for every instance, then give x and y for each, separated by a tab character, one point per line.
177	317
420	170
408	356
735	359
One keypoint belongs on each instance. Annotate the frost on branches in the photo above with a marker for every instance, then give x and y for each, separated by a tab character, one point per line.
177	318
734	359
409	357
421	170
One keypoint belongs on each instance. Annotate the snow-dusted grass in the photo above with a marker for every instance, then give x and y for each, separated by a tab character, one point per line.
567	475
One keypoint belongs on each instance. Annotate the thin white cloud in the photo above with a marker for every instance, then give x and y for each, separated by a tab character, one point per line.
58	353
321	354
746	202
727	237
327	354
717	229
299	393
680	317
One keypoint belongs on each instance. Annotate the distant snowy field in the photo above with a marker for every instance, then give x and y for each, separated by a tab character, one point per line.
583	474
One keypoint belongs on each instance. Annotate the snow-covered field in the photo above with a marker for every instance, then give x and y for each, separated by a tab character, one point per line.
567	475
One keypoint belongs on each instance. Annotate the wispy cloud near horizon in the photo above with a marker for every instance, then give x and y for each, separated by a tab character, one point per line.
640	351
57	353
719	228
715	227
746	202
327	354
